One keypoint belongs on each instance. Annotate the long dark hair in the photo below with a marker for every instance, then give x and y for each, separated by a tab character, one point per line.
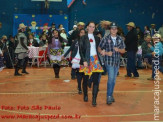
91	22
78	37
51	36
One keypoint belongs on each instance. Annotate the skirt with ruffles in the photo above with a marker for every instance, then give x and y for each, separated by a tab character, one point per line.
55	57
93	67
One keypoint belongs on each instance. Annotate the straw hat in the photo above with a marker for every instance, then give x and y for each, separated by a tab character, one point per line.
81	23
104	23
148	36
132	24
153	24
4	37
156	36
21	26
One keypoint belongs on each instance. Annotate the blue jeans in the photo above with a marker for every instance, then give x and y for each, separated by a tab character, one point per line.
149	57
139	60
156	62
131	64
112	74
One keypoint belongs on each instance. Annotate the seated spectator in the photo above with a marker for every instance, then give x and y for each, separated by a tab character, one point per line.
146	51
32	41
146	30
139	57
60	27
140	35
12	46
157	52
63	33
6	55
43	41
160	31
74	28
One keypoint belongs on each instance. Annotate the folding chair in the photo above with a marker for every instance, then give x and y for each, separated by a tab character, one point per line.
145	62
123	61
41	56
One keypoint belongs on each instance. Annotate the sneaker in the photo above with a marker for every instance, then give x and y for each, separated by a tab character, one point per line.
109	100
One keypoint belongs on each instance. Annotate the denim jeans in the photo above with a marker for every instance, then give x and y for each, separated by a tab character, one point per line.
112	74
131	64
149	57
139	60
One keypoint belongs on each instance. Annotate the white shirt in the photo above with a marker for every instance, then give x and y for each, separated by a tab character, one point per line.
77	55
114	39
93	45
0	51
31	40
63	35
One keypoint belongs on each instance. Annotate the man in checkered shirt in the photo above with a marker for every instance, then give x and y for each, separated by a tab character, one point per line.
111	47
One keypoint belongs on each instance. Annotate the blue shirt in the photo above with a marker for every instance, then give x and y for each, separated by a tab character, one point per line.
108	45
158	49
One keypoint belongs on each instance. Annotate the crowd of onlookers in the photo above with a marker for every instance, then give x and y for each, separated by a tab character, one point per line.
8	44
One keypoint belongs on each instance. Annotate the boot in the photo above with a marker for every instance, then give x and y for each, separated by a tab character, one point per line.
73	74
56	70
94	95
17	67
25	65
85	90
16	72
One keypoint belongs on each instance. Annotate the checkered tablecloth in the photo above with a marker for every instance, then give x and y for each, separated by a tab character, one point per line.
33	51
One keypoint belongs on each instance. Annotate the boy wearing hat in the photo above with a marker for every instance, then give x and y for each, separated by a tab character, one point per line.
21	50
111	47
157	52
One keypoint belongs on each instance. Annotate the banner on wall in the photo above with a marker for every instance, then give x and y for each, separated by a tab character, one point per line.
39	23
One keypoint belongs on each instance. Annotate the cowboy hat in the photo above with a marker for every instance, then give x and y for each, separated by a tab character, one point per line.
81	23
21	26
132	24
156	36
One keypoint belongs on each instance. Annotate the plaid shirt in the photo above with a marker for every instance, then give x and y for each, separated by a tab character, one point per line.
108	45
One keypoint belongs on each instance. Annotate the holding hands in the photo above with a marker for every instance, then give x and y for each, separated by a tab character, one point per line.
103	53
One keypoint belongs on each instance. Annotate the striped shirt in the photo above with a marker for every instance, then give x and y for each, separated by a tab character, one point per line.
108	45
